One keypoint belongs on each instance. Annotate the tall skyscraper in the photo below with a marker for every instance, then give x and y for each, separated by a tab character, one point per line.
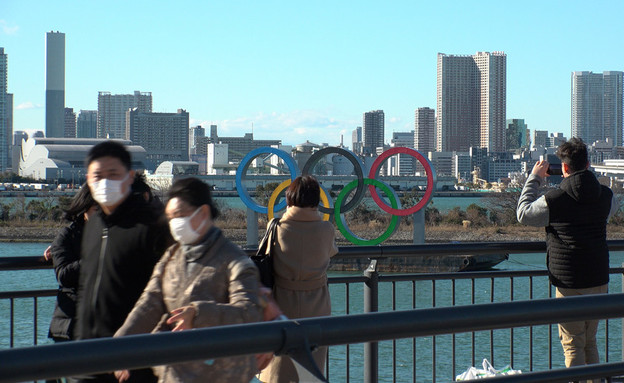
86	124
373	131
69	123
55	84
164	136
6	113
517	134
424	130
597	106
471	101
356	140
112	108
196	133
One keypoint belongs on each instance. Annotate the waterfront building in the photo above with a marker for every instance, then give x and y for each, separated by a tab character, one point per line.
112	108
277	164
195	134
356	140
405	163
86	124
54	159
238	147
555	139
424	130
6	114
69	123
373	131
16	148
163	135
540	139
217	159
597	106
500	165
479	161
55	84
462	166
471	101
517	134
442	162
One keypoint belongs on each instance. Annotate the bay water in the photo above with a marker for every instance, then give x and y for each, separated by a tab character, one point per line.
406	294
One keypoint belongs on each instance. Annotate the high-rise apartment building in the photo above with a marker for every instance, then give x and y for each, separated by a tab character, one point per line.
86	124
6	110
517	133
373	131
69	123
164	136
356	140
471	101
196	133
112	108
405	163
55	84
597	111
424	130
540	138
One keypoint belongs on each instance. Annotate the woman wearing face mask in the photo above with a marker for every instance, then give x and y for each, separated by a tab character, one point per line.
203	280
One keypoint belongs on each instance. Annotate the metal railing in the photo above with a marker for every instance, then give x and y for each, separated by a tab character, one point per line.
286	337
372	281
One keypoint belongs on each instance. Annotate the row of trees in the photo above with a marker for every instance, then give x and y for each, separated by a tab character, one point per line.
48	209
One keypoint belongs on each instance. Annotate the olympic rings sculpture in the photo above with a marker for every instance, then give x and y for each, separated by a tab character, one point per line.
340	207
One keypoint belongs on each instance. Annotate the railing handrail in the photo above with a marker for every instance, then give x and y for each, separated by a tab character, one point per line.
372	252
101	355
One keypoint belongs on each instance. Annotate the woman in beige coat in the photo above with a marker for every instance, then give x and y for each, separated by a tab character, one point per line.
203	280
304	247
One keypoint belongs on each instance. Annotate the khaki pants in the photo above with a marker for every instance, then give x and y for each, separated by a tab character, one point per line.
579	338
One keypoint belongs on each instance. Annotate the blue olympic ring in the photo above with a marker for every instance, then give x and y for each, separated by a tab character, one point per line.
241	173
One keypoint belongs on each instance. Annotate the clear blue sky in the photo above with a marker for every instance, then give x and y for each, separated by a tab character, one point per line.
304	70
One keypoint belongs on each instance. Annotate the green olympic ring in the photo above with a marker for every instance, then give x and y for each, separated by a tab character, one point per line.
341	222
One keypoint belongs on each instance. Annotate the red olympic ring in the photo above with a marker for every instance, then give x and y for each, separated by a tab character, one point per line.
430	181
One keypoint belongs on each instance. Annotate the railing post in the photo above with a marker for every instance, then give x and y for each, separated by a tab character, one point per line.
252	229
371	297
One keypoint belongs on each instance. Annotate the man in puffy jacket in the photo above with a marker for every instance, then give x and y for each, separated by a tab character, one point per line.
120	246
575	216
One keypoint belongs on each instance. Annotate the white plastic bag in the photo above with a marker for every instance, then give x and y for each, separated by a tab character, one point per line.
487	371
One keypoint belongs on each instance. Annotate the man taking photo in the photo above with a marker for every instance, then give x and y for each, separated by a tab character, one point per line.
575	216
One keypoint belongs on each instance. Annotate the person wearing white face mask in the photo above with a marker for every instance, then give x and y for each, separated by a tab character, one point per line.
203	280
121	243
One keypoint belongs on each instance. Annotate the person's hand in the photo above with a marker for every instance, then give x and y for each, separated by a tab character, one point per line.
122	375
182	318
46	254
540	168
270	309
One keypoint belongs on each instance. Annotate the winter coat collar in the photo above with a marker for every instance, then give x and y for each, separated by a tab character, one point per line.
582	186
305	214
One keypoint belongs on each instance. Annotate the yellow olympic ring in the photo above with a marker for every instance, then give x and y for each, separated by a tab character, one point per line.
284	185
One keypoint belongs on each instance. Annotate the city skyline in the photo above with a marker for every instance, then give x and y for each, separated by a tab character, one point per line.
303	68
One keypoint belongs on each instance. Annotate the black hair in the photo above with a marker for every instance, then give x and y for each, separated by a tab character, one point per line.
574	154
304	191
140	186
80	204
109	149
195	192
